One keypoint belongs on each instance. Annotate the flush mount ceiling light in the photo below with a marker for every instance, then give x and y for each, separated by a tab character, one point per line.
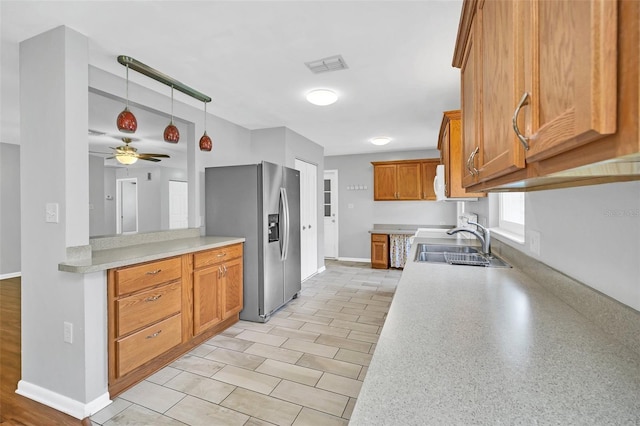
322	97
380	140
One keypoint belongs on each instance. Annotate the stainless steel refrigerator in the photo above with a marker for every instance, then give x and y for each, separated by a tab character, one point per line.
260	202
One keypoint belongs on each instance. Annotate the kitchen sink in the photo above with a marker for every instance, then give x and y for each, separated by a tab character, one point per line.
457	255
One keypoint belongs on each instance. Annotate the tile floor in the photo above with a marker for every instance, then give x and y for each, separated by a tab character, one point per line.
305	366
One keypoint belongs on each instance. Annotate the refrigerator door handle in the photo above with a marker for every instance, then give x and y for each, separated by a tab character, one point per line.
285	212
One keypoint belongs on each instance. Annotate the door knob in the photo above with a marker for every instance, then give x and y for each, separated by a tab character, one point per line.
304	227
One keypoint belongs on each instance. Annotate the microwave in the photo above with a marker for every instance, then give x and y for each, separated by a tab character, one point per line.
439	187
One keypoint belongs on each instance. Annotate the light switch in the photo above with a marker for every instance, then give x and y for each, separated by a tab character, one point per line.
51	213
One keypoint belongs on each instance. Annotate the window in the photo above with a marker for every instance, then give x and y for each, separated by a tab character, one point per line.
511	213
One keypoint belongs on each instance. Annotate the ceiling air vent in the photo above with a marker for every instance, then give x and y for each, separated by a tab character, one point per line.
96	133
332	63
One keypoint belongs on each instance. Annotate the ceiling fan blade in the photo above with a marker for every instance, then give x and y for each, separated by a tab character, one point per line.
155	160
146	154
99	152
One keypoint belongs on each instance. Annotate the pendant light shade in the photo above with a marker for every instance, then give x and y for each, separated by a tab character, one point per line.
205	141
171	133
126	121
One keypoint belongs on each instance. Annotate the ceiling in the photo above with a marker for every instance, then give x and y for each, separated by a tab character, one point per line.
249	56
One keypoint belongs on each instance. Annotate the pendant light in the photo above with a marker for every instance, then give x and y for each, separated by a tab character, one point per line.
205	141
126	121
171	133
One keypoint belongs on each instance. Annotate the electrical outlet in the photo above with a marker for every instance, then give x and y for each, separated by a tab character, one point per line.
68	332
534	242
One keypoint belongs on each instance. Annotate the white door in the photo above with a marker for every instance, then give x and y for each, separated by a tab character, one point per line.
178	204
308	218
330	214
127	206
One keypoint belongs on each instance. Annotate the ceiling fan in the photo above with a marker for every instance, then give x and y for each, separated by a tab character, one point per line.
127	155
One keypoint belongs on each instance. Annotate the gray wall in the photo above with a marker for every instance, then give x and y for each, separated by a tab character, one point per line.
9	210
281	145
357	212
97	225
590	233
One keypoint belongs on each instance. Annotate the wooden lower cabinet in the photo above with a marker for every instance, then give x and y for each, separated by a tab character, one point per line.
159	310
380	251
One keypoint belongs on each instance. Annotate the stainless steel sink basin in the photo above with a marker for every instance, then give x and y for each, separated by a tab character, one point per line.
456	255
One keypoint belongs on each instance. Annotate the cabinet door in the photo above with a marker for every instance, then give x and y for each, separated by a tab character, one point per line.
379	251
501	81
573	78
384	182
206	298
408	184
428	174
232	288
469	89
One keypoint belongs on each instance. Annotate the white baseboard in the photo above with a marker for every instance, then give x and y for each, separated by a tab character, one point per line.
355	259
11	275
62	403
322	269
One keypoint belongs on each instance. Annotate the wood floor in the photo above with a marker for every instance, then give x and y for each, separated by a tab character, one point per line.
16	409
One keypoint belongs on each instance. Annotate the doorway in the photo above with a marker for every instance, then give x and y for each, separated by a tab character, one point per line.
330	214
308	218
178	204
127	206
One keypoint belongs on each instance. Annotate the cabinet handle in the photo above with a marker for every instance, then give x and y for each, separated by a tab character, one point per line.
153	298
154	335
157	271
470	162
225	270
523	139
219	271
222	254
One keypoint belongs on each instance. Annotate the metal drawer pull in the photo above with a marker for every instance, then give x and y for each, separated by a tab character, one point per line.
523	139
157	271
154	335
153	298
222	254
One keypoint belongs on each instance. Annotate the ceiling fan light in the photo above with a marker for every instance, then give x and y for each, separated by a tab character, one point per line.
126	158
380	140
205	142
171	133
322	97
126	121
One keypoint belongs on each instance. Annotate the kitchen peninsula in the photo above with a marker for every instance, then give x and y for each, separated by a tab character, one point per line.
474	345
167	292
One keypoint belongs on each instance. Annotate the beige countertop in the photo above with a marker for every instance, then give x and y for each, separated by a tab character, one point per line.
472	345
101	260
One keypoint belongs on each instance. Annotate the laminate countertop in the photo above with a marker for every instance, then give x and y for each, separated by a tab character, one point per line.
483	346
101	260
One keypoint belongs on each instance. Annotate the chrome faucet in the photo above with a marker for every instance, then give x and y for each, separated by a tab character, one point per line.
484	237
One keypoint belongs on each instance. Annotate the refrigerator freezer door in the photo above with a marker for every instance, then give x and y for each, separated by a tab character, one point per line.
272	290
292	266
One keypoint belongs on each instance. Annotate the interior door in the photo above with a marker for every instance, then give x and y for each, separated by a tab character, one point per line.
178	204
330	212
127	206
308	218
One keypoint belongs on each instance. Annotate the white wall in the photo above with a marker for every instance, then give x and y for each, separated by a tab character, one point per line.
357	212
9	210
590	233
54	169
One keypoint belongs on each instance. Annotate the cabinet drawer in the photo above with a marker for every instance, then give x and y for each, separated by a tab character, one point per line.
148	343
379	237
211	257
141	309
134	278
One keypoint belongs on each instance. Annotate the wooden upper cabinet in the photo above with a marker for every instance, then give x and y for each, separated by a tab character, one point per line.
450	146
501	83
428	173
571	74
397	180
548	87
